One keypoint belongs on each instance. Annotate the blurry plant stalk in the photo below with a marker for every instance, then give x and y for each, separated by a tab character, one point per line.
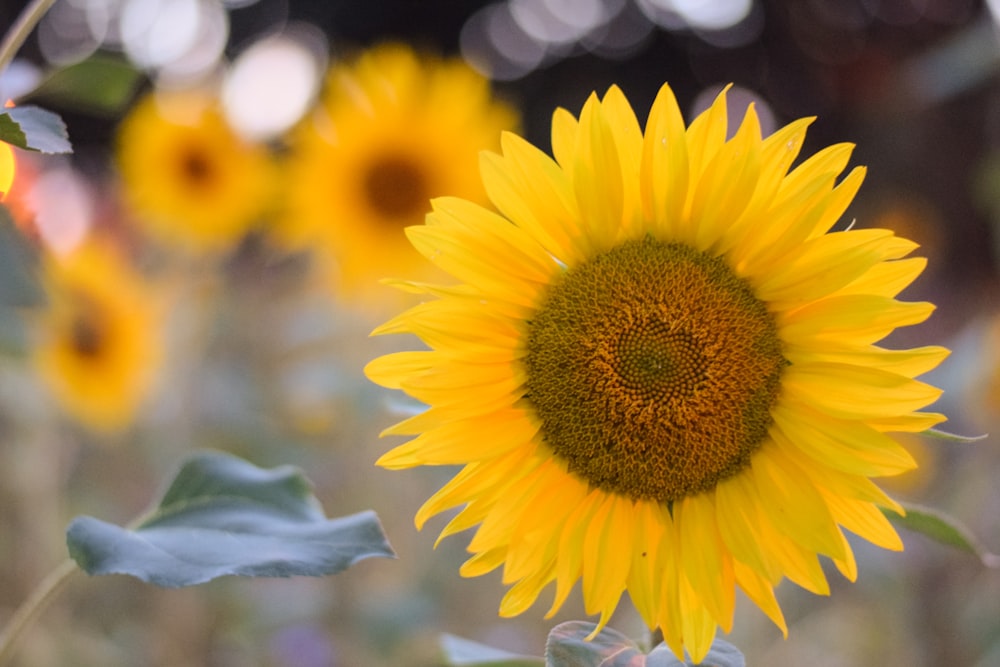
26	614
53	583
19	32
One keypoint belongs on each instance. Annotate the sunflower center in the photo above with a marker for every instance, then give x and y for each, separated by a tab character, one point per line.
653	369
196	168
86	334
397	189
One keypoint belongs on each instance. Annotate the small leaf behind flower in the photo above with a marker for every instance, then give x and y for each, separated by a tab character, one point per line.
952	437
460	652
34	129
567	646
224	516
944	529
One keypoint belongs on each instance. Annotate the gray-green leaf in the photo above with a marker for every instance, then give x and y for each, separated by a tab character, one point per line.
224	516
34	129
460	652
19	284
567	646
943	528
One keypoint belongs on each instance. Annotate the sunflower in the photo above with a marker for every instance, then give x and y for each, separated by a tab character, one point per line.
189	178
660	368
393	130
99	340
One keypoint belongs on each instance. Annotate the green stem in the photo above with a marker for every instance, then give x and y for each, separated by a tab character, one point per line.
31	608
655	639
19	32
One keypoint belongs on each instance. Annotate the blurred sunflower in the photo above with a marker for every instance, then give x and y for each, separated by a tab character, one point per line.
660	369
392	130
99	338
189	178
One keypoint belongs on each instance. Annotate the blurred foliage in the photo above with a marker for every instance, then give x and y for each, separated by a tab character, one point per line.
945	529
19	285
101	85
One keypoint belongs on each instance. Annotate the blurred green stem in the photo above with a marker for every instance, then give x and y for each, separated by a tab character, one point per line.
33	606
655	639
19	32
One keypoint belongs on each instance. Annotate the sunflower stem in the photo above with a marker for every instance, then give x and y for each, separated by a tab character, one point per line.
31	608
655	638
19	32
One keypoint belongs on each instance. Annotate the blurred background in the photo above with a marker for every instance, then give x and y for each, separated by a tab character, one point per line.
211	252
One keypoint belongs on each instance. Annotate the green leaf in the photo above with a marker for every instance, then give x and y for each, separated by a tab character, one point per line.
224	516
944	529
34	129
101	85
952	437
19	284
568	646
460	652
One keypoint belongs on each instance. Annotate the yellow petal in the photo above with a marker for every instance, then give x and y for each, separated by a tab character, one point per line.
464	441
865	520
605	558
597	177
483	562
760	591
706	135
858	319
564	136
851	446
792	503
822	266
738	515
569	564
699	632
856	392
523	594
644	577
911	363
706	562
664	171
887	278
727	184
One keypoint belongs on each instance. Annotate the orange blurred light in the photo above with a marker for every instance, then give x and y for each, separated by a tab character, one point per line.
9	104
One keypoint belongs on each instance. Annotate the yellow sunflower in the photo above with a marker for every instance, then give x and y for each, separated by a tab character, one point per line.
99	340
393	130
189	178
660	368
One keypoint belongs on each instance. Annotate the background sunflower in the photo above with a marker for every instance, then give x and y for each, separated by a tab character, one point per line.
392	130
189	179
100	338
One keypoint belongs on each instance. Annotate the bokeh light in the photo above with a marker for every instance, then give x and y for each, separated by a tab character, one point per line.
180	39
272	83
64	208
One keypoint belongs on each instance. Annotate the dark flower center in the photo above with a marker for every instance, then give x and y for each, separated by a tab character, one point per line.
654	369
196	168
87	331
396	189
